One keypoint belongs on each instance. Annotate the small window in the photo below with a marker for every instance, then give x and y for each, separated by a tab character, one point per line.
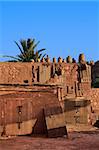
26	81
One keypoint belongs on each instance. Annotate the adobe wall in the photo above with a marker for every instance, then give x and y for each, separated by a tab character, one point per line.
39	97
15	73
74	81
41	72
93	95
31	102
26	111
95	98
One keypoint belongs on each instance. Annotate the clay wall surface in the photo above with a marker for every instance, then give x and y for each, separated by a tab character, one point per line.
39	99
93	95
76	110
64	72
29	73
49	85
74	82
15	73
25	112
66	75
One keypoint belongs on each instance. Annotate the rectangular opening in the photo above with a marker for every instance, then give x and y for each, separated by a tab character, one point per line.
19	110
38	74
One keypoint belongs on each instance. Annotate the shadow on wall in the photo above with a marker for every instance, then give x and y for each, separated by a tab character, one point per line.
40	127
70	105
45	126
96	124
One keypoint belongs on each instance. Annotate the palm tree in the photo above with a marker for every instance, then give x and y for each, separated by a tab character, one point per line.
27	51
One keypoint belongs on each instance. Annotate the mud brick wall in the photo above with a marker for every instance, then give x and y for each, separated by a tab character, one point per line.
32	103
24	112
22	73
67	77
65	73
85	88
93	95
15	73
71	75
76	110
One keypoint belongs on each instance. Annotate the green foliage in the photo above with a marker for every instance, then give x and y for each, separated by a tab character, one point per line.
27	51
95	85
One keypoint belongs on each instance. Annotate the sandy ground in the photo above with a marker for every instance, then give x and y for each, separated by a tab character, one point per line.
76	141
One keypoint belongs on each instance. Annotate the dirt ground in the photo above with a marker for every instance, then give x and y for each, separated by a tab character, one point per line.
76	141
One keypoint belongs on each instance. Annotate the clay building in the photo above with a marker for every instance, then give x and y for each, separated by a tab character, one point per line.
41	98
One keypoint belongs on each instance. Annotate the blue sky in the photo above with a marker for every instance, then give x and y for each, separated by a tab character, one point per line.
63	27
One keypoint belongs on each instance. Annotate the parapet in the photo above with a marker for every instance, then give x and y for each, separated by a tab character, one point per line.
45	71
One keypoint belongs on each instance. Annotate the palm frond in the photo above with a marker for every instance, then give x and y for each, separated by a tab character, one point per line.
39	56
41	50
5	56
24	45
35	45
43	55
11	61
20	56
19	47
27	49
30	44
